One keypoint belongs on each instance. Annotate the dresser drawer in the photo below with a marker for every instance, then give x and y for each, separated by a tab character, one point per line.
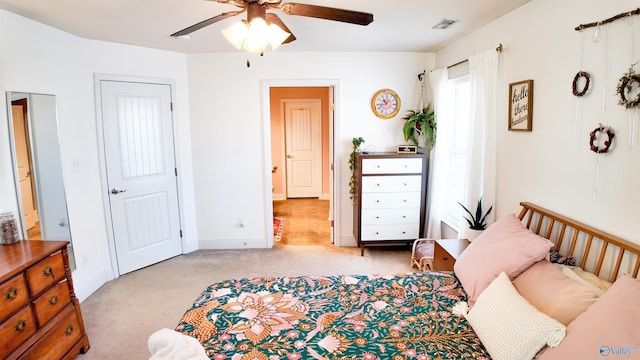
16	330
389	232
51	302
14	295
59	340
391	200
392	166
391	216
442	260
45	274
446	252
401	183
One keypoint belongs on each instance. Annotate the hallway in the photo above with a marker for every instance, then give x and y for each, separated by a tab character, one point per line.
306	221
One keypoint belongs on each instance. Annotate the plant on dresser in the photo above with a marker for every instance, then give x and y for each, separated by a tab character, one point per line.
390	198
40	315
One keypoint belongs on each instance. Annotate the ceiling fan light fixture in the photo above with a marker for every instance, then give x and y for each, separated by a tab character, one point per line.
236	34
278	36
256	36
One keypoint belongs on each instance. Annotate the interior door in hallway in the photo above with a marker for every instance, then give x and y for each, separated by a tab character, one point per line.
303	147
23	159
141	172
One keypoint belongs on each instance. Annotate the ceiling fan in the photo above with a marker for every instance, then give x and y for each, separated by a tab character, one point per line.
258	9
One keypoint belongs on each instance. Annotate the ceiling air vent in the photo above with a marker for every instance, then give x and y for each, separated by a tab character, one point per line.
444	23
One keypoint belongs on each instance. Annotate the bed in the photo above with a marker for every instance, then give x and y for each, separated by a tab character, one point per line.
429	315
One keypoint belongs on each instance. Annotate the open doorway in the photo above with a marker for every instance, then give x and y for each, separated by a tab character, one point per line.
301	158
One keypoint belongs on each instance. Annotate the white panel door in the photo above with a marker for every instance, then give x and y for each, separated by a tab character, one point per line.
141	172
303	147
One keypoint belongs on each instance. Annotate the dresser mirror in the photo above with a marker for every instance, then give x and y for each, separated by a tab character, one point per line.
35	147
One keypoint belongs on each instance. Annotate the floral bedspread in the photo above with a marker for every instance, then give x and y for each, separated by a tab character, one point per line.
401	316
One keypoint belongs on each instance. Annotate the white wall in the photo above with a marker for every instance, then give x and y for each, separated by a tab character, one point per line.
552	166
39	59
232	181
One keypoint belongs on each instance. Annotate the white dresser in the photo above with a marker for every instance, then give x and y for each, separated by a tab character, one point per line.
390	198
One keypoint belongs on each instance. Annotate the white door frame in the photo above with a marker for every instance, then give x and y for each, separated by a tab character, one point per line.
334	153
104	184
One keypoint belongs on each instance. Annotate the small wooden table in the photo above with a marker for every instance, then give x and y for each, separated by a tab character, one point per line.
446	252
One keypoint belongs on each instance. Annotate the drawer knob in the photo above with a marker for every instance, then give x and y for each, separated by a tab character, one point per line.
378	184
12	293
47	271
404	200
21	325
377	233
69	330
377	217
405	184
53	300
404	216
404	232
377	201
378	166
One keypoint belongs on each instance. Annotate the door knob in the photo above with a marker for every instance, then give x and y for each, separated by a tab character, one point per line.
289	156
115	191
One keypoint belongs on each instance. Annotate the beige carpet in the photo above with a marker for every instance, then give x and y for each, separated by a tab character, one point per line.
121	315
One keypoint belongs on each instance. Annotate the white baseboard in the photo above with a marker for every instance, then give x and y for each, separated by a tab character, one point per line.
347	241
84	290
232	244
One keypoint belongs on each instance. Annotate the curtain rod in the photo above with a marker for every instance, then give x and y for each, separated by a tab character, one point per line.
498	49
611	19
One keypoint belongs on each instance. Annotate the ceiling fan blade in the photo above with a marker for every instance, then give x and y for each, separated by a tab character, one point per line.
327	13
207	22
238	3
274	19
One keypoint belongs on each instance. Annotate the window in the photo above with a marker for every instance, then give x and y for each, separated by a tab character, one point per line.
456	151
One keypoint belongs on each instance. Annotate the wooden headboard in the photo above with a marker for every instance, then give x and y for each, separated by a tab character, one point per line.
596	251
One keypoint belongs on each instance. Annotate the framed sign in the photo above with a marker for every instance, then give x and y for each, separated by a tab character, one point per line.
521	105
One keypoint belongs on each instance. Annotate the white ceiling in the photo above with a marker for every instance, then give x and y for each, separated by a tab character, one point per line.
404	25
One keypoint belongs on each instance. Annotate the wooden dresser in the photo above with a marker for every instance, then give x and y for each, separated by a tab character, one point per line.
390	198
40	316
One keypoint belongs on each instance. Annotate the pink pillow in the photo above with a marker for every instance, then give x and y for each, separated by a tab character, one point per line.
553	293
609	328
507	246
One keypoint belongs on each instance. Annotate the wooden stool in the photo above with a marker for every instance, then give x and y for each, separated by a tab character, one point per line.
422	254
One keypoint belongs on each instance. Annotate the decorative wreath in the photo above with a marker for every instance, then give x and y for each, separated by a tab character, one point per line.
576	79
593	137
625	86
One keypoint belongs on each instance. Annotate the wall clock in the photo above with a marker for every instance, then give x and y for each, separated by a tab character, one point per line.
385	103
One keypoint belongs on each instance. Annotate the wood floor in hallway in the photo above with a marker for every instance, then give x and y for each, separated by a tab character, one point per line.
306	221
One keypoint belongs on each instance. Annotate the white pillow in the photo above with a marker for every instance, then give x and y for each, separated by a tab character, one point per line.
508	326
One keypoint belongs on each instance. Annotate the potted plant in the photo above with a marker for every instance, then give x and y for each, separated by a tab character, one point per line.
478	221
352	164
420	125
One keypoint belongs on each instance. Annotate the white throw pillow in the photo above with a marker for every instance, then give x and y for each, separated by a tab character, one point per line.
508	326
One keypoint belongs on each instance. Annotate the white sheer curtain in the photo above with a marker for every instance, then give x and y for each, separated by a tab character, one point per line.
439	79
481	155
